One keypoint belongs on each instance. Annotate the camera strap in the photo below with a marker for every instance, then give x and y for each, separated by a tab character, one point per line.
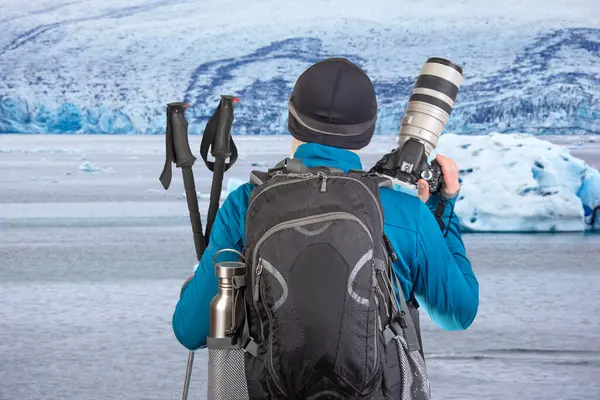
439	212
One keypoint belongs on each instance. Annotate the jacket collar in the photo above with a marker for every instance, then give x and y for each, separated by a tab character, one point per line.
318	155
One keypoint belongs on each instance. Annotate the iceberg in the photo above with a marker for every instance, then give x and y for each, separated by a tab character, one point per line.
520	183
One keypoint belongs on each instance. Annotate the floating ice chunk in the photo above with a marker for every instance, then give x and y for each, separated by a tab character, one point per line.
260	164
232	184
519	183
89	167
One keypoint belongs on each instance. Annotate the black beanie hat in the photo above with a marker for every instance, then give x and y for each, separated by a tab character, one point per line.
333	103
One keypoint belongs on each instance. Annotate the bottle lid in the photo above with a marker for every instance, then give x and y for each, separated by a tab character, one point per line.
228	269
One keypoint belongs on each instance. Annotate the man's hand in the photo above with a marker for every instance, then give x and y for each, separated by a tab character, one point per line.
451	185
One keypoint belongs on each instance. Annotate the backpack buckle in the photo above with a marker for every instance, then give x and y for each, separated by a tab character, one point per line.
276	170
250	347
289	165
388	334
401	320
398	323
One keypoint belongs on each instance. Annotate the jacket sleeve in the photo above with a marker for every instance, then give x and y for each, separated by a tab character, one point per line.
446	286
191	316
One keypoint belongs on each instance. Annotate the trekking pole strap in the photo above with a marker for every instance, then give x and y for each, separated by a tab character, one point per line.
205	146
217	137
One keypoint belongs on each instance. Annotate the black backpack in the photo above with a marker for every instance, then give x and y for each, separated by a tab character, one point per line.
322	321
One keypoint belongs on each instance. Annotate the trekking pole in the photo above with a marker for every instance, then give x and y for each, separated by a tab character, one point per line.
216	136
179	152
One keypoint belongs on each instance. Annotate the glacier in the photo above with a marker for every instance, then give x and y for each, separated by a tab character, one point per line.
512	183
70	67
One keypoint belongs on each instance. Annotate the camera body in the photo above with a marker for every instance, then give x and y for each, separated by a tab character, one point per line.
427	113
408	163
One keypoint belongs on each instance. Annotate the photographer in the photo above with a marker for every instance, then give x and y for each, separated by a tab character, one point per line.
431	265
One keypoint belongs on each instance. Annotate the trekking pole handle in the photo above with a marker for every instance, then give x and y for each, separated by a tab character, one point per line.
220	148
183	154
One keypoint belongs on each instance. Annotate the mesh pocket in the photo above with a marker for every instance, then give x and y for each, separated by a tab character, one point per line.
226	375
415	382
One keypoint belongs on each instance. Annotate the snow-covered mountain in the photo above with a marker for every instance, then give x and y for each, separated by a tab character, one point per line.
110	67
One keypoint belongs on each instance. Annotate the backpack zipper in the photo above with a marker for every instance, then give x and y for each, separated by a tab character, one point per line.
324	177
378	320
258	274
258	294
323	182
272	185
270	365
386	278
255	297
304	221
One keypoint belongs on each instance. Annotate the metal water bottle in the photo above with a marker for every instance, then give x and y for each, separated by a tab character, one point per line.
222	305
226	371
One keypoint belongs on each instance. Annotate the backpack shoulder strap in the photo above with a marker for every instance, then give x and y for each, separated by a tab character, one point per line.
413	307
258	177
410	330
284	166
382	180
289	166
296	166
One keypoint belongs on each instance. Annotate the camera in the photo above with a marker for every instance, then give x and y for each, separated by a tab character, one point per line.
427	113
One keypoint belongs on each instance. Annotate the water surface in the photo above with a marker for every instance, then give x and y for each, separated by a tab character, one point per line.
91	264
85	314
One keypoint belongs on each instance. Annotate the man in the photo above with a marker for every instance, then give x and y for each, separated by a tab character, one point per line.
431	265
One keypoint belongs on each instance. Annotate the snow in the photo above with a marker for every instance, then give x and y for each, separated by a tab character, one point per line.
110	67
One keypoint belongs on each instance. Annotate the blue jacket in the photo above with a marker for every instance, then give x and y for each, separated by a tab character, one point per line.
435	267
